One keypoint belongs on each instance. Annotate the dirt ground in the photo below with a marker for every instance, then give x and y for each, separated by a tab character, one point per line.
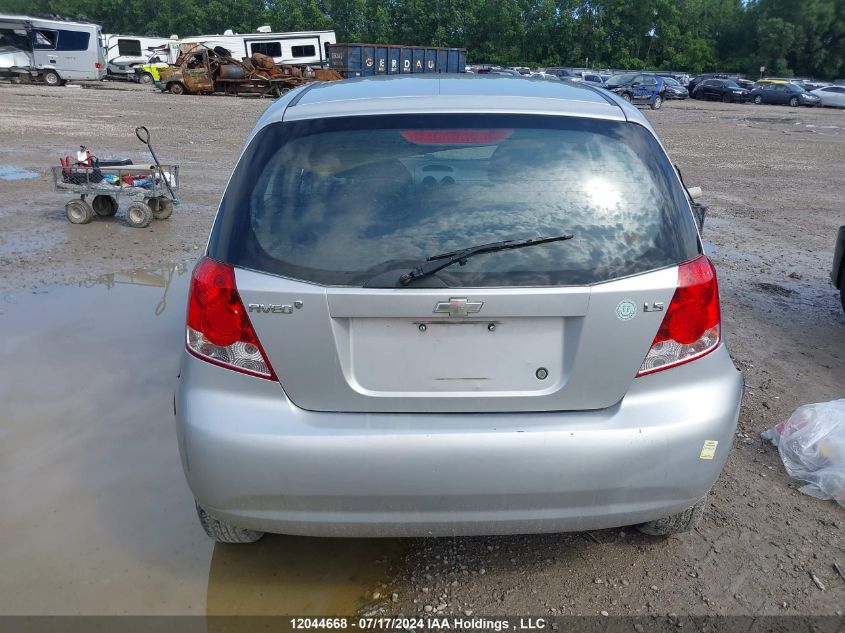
774	180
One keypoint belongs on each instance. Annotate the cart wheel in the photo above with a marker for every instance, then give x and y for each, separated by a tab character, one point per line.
79	212
104	205
164	208
139	215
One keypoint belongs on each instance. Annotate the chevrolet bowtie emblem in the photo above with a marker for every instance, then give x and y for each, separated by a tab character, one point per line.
458	307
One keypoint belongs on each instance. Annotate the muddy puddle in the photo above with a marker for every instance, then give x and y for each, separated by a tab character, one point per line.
97	517
10	172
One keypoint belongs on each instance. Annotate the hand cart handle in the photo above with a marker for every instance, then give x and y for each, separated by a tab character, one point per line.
145	137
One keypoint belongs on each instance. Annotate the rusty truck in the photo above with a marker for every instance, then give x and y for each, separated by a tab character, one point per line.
199	69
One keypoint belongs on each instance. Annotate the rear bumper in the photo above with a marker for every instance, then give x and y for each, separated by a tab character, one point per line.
255	460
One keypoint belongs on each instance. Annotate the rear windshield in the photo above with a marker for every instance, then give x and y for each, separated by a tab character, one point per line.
340	201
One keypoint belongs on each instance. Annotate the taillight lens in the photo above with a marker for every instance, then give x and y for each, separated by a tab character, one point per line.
691	326
219	330
98	65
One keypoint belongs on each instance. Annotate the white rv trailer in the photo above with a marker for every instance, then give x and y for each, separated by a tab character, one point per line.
125	53
303	47
132	50
50	50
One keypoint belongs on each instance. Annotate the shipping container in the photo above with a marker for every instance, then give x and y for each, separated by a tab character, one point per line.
365	60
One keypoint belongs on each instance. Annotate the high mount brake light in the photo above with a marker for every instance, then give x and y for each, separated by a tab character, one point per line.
218	329
455	137
691	326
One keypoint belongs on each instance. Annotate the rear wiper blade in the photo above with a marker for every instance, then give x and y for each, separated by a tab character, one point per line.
436	263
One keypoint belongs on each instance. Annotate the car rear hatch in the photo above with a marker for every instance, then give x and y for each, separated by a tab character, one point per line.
320	232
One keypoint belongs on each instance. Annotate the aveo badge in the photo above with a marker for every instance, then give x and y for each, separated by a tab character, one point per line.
626	310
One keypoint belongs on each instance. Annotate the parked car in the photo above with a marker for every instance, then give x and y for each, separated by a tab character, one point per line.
638	88
810	86
343	375
699	78
562	73
593	79
838	272
783	94
762	82
674	89
725	90
831	96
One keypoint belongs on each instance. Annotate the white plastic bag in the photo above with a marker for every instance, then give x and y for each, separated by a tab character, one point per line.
811	444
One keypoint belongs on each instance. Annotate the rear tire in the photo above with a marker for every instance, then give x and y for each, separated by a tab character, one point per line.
139	215
627	96
223	532
51	78
842	291
177	89
676	523
79	212
657	103
164	208
104	205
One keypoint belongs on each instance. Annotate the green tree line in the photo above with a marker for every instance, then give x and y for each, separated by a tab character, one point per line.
788	37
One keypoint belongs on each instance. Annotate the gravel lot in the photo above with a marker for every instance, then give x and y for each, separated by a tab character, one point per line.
774	179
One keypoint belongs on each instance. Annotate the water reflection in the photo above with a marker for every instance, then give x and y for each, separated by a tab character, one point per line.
97	517
93	495
10	172
155	277
292	575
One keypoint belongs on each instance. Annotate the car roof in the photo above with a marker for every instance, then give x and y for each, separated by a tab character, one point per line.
450	93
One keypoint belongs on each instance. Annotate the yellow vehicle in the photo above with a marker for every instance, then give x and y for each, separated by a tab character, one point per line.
148	73
772	81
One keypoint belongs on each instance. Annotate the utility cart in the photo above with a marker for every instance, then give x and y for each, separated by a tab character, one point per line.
146	187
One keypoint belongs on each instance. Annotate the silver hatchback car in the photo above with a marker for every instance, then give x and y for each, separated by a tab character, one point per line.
453	305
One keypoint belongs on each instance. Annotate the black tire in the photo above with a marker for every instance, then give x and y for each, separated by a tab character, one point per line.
177	89
104	205
726	99
146	79
51	78
627	96
139	215
758	99
223	532
163	209
794	102
842	292
657	103
676	523
79	212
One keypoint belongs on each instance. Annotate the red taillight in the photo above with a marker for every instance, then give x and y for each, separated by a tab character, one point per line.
97	65
691	325
219	330
455	137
